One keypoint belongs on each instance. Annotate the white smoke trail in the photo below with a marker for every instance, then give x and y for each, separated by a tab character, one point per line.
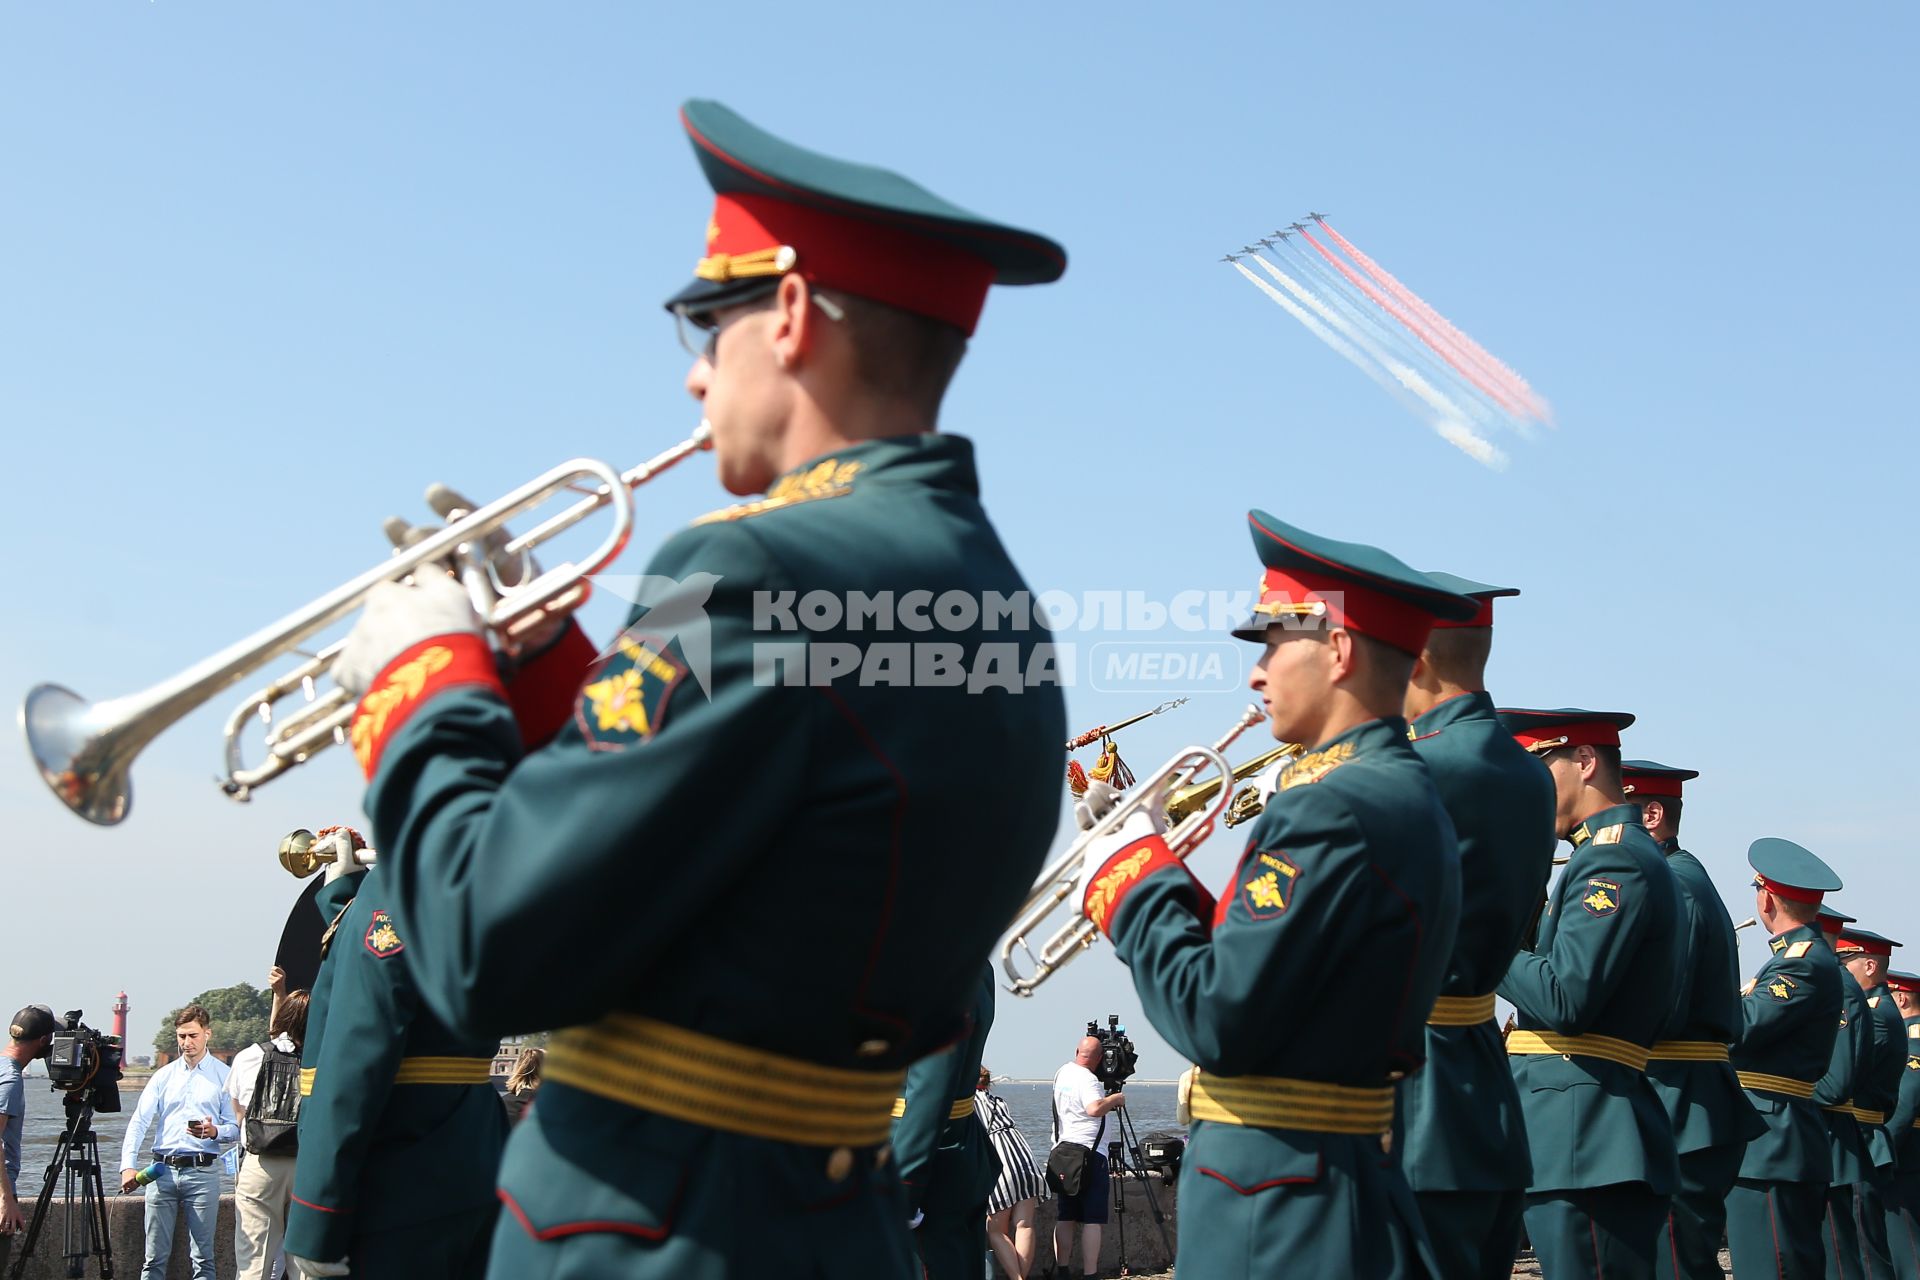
1394	376
1383	338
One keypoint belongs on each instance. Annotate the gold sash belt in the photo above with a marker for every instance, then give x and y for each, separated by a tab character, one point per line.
1461	1011
1276	1102
1764	1083
1689	1051
705	1080
1861	1114
960	1110
1624	1052
423	1071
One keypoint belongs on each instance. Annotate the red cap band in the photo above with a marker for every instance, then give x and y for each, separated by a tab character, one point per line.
1861	946
1348	604
900	268
1579	733
1792	894
1484	618
1644	785
1900	982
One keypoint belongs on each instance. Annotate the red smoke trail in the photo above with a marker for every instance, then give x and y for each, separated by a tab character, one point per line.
1414	326
1483	358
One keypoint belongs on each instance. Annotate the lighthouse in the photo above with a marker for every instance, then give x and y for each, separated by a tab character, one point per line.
120	1007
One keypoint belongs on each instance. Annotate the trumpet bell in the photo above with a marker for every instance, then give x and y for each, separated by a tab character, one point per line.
296	853
84	758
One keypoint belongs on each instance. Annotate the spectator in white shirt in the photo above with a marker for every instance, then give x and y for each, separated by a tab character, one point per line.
265	1183
186	1107
1079	1108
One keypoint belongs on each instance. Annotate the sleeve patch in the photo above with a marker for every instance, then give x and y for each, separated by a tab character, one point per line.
1271	888
1913	1064
1799	949
624	696
382	938
1602	897
1781	987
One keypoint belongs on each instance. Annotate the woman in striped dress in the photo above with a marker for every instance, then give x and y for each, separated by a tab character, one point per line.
1022	1185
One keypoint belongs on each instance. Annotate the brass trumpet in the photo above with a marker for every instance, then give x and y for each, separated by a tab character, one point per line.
1748	923
85	750
1247	802
1059	881
303	853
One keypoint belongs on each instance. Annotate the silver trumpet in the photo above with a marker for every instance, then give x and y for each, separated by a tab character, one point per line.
1061	879
85	751
1748	923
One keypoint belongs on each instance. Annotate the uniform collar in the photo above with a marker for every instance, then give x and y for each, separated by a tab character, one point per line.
930	458
1455	710
1617	815
1800	932
1671	847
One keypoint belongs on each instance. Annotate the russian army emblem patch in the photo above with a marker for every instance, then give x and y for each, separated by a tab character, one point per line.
1602	897
624	696
1271	888
382	938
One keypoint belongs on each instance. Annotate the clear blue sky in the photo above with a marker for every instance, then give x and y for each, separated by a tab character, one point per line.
269	269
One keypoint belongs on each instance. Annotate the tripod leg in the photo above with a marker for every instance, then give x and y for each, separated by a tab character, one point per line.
32	1237
102	1241
1132	1135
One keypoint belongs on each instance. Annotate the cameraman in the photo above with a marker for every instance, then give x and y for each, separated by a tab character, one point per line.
1080	1106
32	1033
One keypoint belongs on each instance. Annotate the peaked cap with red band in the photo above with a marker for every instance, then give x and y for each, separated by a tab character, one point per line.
1544	730
1648	779
780	208
1791	872
1344	584
1479	592
1831	920
1902	981
1858	942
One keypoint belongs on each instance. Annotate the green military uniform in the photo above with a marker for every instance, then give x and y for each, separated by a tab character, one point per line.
1691	1068
1903	1127
947	1163
1589	1000
754	882
1304	993
1852	1056
1460	1134
401	1130
1789	1012
1876	1091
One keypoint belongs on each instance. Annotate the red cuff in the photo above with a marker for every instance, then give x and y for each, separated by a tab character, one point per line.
406	684
542	691
1119	874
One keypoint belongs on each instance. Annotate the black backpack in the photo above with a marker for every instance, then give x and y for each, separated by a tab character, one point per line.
275	1111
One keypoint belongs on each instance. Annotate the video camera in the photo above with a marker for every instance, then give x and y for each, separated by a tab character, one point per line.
84	1064
1118	1059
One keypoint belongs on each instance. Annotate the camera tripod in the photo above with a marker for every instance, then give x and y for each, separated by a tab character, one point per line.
76	1157
1118	1151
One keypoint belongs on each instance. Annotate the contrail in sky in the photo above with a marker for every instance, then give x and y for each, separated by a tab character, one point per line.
1395	376
1479	355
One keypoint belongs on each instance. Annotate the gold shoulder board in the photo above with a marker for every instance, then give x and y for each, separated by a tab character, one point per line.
1610	835
1799	949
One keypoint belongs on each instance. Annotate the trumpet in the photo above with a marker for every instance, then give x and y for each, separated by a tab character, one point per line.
1748	923
303	853
85	750
1058	882
1246	803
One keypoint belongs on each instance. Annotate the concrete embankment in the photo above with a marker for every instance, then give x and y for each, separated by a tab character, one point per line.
127	1232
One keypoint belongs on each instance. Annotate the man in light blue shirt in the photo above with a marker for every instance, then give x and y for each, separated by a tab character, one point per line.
187	1108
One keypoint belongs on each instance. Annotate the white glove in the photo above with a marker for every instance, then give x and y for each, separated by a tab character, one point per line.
919	1216
307	1267
347	860
399	616
508	571
1095	804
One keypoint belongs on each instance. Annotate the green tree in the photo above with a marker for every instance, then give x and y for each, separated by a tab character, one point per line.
239	1012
